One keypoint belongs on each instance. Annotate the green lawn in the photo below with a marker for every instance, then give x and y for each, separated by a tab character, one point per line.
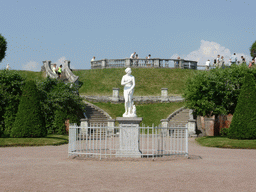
224	142
49	140
31	75
148	81
151	113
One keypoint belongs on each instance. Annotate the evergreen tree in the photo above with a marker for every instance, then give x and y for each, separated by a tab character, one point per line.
11	84
3	47
29	121
253	50
243	125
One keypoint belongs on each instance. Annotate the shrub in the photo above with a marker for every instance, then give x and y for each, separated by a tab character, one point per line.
215	92
29	121
243	125
59	100
224	132
11	84
59	122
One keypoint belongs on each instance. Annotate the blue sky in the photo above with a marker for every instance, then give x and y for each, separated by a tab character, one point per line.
78	30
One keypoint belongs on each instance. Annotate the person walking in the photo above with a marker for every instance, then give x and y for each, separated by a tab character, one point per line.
222	62
207	64
233	59
252	63
218	61
7	67
136	62
242	60
59	71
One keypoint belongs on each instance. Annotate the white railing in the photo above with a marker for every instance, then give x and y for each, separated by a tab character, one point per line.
144	63
104	142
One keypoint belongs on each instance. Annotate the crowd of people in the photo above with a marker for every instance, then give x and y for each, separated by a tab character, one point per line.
136	56
220	63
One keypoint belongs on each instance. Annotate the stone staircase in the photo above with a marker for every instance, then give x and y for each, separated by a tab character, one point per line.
179	118
97	119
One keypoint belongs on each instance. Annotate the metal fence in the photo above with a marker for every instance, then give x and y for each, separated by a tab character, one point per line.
105	142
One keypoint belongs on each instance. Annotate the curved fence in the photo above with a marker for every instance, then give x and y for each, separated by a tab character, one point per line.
106	142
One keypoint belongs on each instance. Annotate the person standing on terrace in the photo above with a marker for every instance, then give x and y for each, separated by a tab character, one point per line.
133	55
233	59
93	59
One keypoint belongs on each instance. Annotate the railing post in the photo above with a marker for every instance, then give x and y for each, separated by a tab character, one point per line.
111	125
181	65
156	62
191	124
127	62
103	63
84	126
164	127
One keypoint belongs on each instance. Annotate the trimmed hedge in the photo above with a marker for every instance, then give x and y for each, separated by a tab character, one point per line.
29	121
243	125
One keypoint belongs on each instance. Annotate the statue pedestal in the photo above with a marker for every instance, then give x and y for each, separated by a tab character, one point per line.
129	137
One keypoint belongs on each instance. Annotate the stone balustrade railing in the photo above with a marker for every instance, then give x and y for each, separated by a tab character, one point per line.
47	67
68	73
144	63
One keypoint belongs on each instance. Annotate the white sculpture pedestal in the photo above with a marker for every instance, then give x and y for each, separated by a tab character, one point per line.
129	137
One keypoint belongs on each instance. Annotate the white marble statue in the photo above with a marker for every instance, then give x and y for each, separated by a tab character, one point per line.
128	81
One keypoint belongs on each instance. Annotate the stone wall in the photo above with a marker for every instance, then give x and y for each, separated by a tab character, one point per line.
211	126
136	99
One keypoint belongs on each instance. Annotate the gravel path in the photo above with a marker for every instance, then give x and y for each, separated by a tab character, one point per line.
48	168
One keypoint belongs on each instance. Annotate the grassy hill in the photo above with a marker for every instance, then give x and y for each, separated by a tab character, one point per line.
31	75
151	113
148	81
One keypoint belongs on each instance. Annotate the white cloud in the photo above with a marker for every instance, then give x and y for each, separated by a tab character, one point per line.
32	66
60	61
210	50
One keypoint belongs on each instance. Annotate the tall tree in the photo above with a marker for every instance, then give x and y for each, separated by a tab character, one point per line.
11	84
253	50
243	125
29	121
3	47
215	92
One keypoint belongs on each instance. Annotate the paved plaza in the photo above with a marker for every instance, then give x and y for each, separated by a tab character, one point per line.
48	168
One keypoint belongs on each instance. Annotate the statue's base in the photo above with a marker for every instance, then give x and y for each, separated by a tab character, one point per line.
129	137
129	115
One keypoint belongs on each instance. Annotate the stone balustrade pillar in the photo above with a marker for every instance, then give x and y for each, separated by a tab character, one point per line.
127	62
209	125
111	126
164	125
115	96
103	63
84	126
156	62
181	66
164	94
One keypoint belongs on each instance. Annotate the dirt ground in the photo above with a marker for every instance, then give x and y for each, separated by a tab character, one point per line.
49	169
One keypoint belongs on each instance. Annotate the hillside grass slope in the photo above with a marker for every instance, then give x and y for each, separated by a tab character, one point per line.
148	81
